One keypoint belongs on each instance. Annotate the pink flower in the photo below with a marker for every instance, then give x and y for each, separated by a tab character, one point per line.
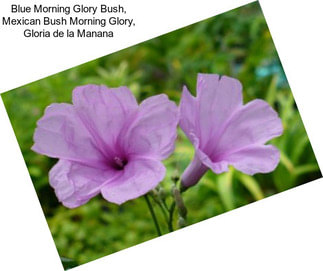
106	143
225	132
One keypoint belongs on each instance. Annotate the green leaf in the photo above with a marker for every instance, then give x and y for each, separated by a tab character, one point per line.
225	189
68	263
306	169
283	179
209	183
271	95
301	145
287	162
252	186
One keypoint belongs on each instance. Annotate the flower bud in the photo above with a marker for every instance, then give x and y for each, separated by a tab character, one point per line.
162	194
181	222
179	202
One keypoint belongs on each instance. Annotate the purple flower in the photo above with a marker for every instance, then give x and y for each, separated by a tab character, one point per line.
225	132
106	143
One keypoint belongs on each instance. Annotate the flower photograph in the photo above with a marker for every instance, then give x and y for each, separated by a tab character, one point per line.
161	135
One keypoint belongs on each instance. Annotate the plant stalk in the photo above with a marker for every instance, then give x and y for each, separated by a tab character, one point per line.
153	215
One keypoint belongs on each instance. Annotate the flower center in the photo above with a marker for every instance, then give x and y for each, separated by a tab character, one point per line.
119	163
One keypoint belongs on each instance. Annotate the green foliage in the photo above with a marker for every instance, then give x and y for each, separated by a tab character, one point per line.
238	44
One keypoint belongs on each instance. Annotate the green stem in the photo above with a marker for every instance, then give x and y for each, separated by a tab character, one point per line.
170	221
150	207
165	205
162	208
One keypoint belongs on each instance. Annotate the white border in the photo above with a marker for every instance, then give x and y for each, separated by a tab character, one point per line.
283	232
33	59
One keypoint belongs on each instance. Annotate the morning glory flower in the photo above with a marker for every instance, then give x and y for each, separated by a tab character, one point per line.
225	132
106	143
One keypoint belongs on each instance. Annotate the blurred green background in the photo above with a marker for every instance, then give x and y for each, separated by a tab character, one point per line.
238	44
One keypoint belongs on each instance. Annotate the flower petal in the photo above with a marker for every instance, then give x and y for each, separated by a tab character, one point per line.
61	134
218	98
138	177
105	111
153	132
188	114
255	123
217	167
194	172
255	159
76	184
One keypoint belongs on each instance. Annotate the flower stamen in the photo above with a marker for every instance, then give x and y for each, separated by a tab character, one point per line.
119	163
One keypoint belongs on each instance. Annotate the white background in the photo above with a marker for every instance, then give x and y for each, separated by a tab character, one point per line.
283	232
